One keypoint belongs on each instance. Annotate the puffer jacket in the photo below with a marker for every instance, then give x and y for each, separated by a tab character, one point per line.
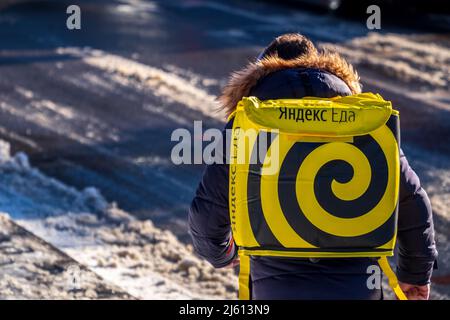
294	278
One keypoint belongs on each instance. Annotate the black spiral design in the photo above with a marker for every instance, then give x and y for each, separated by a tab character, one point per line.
332	169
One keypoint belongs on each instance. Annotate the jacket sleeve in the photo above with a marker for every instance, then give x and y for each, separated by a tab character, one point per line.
416	246
209	221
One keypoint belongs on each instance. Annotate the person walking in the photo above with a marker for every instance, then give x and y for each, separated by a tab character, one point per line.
291	67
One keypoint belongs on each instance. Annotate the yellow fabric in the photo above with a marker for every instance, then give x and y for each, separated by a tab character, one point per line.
272	209
366	112
319	254
392	278
244	136
309	123
238	185
351	190
244	277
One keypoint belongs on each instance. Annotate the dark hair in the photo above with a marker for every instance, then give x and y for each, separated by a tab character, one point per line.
289	46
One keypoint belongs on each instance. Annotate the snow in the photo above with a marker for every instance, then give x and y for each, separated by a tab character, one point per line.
410	59
32	269
166	84
142	260
4	151
55	117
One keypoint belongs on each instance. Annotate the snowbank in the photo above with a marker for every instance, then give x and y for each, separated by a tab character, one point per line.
166	84
145	261
32	269
413	59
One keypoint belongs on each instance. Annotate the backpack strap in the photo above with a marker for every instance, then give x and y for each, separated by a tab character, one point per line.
393	281
244	277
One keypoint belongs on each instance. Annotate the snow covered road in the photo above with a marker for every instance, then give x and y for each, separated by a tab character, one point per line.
132	256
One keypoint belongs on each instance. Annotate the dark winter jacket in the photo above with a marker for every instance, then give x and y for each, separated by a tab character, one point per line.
294	278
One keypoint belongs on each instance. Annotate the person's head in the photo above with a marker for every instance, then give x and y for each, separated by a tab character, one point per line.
289	46
291	67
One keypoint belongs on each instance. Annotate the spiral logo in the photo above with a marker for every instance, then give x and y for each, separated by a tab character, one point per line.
328	195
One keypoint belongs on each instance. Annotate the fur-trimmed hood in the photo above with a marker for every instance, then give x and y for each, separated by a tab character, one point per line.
241	82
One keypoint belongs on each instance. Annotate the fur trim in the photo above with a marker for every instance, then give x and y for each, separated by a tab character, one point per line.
242	81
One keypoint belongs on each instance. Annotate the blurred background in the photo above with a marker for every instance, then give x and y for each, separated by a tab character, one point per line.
86	116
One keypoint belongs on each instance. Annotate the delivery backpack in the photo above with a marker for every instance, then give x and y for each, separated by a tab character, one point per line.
314	178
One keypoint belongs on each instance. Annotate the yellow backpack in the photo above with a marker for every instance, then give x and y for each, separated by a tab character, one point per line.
314	177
